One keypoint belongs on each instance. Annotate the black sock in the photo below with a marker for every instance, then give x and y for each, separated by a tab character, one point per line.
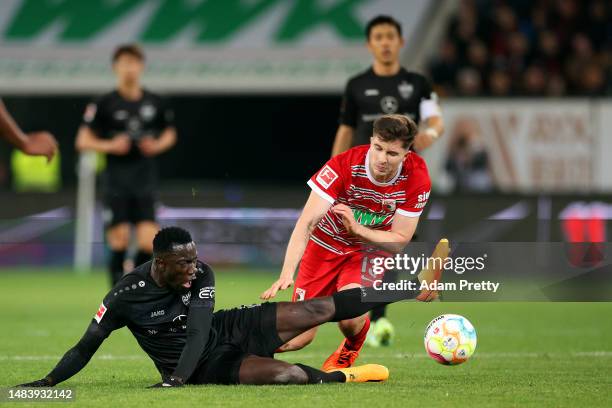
142	257
353	302
318	377
116	266
378	312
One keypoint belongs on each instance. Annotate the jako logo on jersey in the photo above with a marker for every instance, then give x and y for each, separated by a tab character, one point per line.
368	218
207	292
186	298
101	311
424	196
326	176
158	313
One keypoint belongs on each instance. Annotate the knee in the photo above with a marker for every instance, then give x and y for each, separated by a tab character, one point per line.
290	375
353	325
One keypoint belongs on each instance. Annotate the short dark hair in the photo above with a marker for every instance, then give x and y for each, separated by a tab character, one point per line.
382	19
168	237
129	49
396	127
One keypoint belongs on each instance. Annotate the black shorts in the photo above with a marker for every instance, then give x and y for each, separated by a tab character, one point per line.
244	331
130	209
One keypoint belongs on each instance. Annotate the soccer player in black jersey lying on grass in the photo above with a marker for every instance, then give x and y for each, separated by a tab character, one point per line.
168	305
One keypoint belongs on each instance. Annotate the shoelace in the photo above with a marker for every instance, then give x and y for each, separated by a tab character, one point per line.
346	356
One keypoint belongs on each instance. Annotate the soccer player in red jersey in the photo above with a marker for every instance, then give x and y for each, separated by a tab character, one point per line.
369	196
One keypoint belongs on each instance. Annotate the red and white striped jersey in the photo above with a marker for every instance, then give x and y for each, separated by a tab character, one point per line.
346	179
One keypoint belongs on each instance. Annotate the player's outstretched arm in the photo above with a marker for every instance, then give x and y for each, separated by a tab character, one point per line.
75	359
313	211
34	144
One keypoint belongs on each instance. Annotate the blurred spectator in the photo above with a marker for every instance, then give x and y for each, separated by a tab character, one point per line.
469	82
467	162
534	81
500	83
533	48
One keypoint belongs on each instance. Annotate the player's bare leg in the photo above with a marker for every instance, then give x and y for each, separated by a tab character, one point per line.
355	332
299	342
293	319
145	232
118	239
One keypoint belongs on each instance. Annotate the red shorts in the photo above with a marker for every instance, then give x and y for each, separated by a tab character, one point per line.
323	273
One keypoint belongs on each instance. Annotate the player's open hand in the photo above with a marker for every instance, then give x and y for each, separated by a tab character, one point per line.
40	144
119	145
348	219
149	146
281	284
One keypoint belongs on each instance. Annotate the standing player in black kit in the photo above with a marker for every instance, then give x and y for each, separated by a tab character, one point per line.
386	88
131	126
168	304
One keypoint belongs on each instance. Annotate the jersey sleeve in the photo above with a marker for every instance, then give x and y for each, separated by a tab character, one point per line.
94	118
106	320
348	107
110	314
428	106
328	182
417	193
199	322
203	290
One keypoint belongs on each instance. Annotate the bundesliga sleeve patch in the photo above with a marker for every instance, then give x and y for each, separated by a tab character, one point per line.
326	176
101	311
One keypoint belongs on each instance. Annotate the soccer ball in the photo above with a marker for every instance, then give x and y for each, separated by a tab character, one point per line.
450	339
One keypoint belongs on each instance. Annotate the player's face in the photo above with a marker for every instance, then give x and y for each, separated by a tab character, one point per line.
385	44
128	68
178	267
385	158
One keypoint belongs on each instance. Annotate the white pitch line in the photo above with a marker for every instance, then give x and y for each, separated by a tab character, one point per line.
591	354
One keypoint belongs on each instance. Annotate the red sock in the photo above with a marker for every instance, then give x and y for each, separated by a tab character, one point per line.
355	342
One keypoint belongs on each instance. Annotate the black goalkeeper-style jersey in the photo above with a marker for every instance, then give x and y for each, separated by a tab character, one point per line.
369	96
110	115
174	329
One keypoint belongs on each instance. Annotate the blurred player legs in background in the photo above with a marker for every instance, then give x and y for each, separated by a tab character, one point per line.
132	126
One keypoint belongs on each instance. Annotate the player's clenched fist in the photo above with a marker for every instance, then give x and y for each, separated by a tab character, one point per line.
348	219
40	144
281	284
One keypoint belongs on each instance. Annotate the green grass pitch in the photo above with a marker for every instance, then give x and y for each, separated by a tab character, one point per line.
528	354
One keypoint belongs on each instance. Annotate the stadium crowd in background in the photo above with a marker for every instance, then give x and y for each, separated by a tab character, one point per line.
526	48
